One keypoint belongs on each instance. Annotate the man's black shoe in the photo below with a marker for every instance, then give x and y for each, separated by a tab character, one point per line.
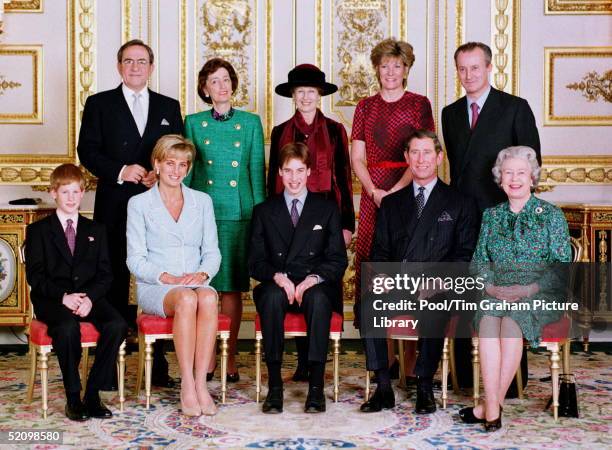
163	381
315	400
96	409
301	374
274	401
76	411
425	402
382	399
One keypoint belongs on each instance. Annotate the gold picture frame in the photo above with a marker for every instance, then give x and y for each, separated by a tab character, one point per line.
585	7
576	83
34	6
6	84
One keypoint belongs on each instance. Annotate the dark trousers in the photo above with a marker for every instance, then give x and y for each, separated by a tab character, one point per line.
64	330
119	293
272	305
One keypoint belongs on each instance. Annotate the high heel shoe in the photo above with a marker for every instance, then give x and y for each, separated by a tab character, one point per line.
467	416
210	375
193	411
210	411
494	425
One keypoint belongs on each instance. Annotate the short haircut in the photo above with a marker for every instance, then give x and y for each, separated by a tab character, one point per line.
171	144
210	67
294	150
469	46
134	43
424	134
392	48
66	174
519	151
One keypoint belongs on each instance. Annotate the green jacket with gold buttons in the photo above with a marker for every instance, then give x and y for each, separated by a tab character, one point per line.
230	162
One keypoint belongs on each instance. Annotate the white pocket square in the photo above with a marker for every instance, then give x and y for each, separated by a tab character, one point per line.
317	227
165	122
445	217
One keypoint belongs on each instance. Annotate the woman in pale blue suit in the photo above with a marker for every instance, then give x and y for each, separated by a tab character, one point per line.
173	253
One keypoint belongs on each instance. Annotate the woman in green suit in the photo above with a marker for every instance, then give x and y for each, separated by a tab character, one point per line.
230	167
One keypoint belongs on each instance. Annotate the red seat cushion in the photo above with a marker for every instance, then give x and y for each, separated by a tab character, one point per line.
151	324
39	336
556	331
296	323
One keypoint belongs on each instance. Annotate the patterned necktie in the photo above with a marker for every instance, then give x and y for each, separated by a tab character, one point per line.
420	201
70	235
295	216
475	109
138	113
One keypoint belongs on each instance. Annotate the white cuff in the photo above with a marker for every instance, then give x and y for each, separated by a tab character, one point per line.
119	180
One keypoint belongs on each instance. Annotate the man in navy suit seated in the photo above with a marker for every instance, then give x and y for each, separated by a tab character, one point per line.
297	252
69	272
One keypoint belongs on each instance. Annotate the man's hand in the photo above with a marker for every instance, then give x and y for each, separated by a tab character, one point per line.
85	308
133	173
285	283
306	284
348	236
73	301
149	179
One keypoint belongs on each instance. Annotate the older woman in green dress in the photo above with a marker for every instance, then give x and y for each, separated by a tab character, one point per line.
230	167
521	237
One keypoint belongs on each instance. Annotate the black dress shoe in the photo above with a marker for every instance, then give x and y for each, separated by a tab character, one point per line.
382	399
467	416
315	400
232	377
425	402
96	409
210	375
273	403
163	381
301	374
76	411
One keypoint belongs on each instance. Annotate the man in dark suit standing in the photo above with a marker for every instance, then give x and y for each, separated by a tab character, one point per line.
427	221
118	132
475	128
68	270
297	252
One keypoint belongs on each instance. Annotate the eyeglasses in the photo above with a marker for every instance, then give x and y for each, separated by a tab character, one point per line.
131	62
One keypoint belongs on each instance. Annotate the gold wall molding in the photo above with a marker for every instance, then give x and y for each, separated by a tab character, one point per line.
593	86
23	6
578	7
572	170
505	32
35	52
459	39
126	20
551	56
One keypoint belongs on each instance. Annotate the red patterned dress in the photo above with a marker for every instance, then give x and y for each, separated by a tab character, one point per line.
384	127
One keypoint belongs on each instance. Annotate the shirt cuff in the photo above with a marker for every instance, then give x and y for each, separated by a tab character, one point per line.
119	180
319	279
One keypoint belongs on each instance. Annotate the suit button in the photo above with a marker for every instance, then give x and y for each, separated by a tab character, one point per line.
236	144
210	162
234	163
233	183
76	278
204	123
288	273
210	181
311	253
206	141
237	126
280	254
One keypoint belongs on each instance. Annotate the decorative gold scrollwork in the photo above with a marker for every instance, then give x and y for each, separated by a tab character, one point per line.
4	83
593	86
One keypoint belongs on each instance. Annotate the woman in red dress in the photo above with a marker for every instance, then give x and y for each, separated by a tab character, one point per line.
381	125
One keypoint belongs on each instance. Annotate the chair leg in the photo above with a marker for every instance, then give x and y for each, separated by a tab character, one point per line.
121	376
402	364
336	368
43	359
453	365
141	361
519	383
257	369
32	375
84	368
148	370
445	373
566	356
554	373
224	356
476	370
367	387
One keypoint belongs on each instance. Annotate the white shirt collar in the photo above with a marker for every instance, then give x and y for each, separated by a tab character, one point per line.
289	198
64	217
480	101
428	188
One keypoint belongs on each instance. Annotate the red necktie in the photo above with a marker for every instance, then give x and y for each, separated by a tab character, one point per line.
475	109
70	235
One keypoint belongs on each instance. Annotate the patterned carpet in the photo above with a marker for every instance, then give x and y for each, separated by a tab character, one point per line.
240	424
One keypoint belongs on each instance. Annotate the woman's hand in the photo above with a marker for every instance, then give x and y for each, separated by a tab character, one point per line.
348	236
378	195
167	278
196	278
513	292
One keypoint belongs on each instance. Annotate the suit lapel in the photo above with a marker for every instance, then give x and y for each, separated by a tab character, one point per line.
434	206
282	220
59	238
304	227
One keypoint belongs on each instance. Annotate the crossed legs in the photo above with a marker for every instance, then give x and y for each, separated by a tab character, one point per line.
195	331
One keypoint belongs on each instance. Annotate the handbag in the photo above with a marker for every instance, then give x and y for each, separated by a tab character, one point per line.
568	396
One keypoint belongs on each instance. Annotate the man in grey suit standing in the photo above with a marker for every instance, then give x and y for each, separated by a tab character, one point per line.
118	132
475	128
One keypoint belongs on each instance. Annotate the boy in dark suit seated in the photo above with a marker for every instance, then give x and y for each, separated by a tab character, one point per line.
68	270
297	252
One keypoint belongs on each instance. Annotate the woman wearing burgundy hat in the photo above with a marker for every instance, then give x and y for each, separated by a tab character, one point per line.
327	142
